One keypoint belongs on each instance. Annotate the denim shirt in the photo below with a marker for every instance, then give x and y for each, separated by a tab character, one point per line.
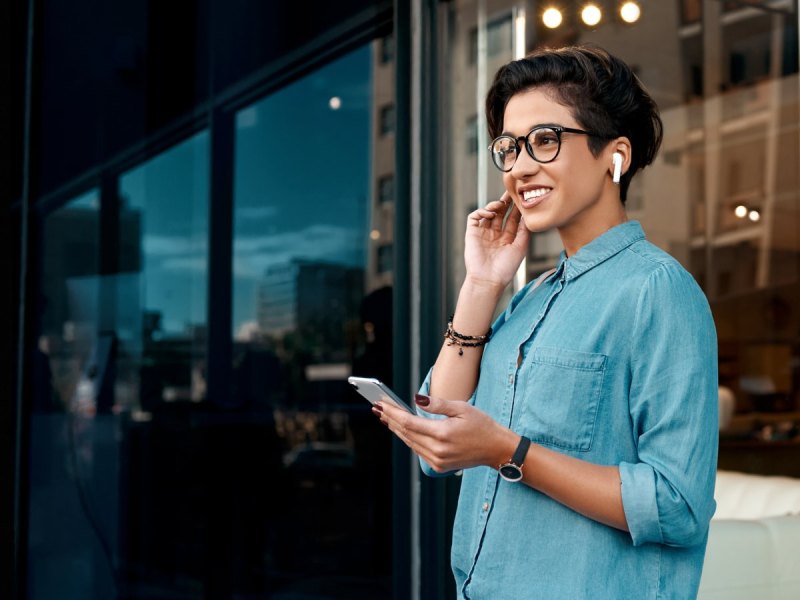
619	367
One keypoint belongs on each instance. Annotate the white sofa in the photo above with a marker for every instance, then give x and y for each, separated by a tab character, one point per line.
754	542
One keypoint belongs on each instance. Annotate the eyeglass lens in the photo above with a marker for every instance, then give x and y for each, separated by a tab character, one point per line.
543	145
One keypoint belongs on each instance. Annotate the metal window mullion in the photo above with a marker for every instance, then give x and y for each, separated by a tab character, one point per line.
17	567
405	577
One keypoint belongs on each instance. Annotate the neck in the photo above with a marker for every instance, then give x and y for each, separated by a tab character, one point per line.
576	235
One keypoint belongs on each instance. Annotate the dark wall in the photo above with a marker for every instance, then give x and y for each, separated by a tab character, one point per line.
114	73
12	55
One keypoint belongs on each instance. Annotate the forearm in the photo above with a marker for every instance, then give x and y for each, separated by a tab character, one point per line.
589	489
455	374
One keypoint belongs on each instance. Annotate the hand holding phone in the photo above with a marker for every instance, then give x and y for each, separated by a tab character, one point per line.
375	391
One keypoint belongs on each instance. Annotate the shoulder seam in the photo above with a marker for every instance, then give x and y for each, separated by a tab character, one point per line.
663	261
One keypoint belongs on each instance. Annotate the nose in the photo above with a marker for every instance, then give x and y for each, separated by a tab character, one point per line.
525	165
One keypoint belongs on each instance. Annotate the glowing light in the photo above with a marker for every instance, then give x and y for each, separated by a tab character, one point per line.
335	103
630	12
552	18
754	216
374	234
740	211
591	15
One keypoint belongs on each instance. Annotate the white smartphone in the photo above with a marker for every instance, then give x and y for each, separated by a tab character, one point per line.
375	391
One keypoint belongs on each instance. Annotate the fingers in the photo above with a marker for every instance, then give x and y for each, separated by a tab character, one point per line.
487	216
437	406
418	433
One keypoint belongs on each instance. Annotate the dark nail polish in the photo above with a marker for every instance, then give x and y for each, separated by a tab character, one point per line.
422	400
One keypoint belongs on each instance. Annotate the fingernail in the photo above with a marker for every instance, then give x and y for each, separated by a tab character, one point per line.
422	400
377	411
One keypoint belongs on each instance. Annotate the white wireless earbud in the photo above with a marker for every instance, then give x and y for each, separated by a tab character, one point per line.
617	158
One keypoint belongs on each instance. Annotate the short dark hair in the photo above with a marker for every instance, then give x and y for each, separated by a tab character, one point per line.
603	93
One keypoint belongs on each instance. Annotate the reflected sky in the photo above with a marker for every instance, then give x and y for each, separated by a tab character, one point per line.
301	189
170	193
302	176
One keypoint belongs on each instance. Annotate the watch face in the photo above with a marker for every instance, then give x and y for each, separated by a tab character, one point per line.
510	472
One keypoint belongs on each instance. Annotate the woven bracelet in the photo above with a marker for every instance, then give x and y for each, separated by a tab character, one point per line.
464	341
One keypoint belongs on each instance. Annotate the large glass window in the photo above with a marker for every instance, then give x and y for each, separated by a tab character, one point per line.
120	355
309	309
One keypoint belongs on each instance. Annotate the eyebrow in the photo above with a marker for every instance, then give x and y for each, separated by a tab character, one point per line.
531	128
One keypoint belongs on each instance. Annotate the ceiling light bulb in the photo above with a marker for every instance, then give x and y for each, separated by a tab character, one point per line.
591	15
552	18
335	103
630	12
740	211
754	216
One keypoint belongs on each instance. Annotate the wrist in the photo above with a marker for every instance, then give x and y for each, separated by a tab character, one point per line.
475	286
503	448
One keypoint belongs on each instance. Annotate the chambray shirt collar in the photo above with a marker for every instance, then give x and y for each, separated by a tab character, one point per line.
599	249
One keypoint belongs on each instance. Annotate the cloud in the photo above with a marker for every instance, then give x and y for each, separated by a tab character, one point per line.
163	245
328	243
253	255
192	263
256	212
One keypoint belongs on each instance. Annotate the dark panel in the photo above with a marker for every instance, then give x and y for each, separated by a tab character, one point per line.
249	34
13	37
12	93
110	74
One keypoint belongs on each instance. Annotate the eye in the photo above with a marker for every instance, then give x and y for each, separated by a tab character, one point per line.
543	139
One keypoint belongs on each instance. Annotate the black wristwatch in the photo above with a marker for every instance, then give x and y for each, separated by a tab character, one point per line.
512	470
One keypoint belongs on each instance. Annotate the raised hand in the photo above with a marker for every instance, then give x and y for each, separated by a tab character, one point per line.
494	249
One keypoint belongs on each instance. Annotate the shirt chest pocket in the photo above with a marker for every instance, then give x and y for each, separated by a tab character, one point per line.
560	397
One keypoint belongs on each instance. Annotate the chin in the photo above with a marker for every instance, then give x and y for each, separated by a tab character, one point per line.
537	224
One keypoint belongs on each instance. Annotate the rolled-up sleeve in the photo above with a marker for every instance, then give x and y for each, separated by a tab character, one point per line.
425	389
668	494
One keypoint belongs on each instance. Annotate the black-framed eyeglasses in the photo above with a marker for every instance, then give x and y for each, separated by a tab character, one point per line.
543	144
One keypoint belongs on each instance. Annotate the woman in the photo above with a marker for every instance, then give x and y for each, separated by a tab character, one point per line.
586	426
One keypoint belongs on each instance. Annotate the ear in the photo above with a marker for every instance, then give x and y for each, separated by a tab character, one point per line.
619	157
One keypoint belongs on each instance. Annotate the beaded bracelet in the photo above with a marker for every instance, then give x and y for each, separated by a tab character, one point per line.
464	341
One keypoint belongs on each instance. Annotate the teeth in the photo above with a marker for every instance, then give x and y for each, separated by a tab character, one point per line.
535	193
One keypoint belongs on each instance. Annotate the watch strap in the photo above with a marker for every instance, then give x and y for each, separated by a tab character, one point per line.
521	452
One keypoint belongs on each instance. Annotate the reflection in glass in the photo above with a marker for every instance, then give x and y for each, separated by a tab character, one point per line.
311	307
118	350
161	319
69	538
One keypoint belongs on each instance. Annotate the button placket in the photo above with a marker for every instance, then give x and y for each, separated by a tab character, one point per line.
505	415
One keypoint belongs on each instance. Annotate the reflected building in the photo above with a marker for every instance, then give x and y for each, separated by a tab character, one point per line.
310	298
380	253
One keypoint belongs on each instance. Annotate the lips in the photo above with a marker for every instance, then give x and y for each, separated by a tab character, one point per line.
533	196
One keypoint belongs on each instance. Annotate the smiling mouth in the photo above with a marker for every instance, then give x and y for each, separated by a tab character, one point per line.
531	198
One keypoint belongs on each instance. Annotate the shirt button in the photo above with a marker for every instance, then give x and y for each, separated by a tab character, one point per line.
485	506
510	379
